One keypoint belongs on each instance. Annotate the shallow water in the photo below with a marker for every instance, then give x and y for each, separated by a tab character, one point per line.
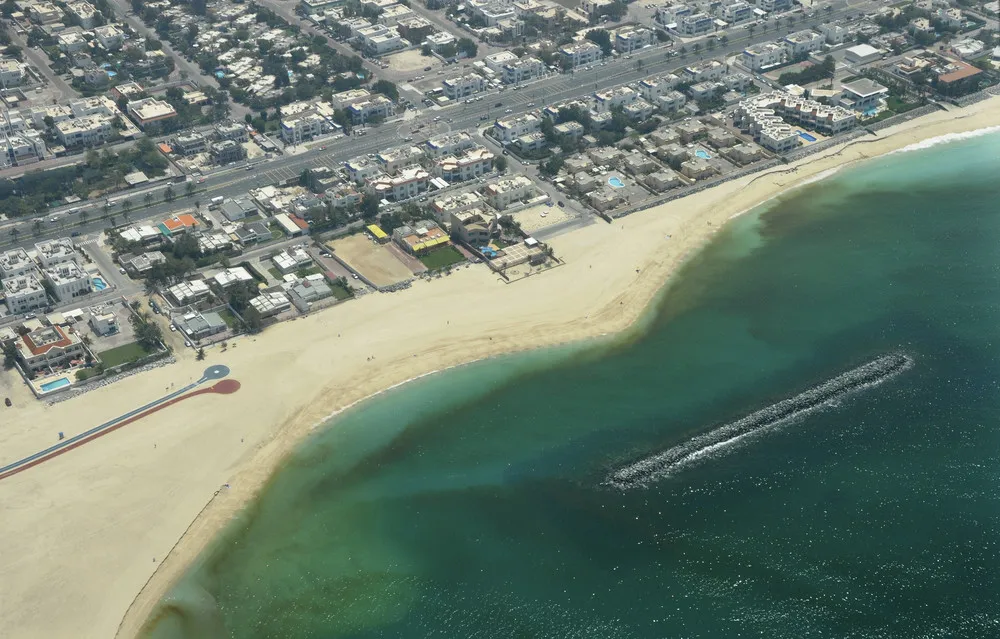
471	504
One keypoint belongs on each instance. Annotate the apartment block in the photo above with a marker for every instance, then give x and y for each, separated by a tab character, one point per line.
509	129
580	53
470	165
396	158
463	86
24	293
68	280
504	191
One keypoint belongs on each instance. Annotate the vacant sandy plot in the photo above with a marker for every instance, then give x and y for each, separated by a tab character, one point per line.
411	60
531	219
372	260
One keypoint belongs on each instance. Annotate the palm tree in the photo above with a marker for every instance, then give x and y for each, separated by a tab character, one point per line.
107	207
14	232
111	220
751	29
127	217
36	227
168	194
724	39
710	45
197	205
148	198
696	47
126	205
84	216
683	50
189	189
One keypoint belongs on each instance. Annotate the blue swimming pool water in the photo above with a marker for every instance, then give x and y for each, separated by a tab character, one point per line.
54	384
99	284
616	182
805	136
701	153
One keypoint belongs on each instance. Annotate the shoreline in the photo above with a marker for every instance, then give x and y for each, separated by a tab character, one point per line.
296	378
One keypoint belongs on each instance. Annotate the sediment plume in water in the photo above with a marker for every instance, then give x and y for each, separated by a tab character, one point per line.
649	469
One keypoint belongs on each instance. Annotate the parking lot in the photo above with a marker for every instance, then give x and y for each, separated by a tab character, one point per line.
372	260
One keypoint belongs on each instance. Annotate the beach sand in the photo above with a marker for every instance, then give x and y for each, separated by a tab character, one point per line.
102	532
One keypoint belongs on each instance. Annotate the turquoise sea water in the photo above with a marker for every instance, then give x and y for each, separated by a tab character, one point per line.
471	504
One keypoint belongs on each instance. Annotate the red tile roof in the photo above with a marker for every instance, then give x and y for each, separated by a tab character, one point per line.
35	349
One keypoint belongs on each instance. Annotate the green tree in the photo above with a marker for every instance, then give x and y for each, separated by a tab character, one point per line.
36	227
201	354
369	206
168	194
467	47
500	163
602	38
148	198
189	189
386	88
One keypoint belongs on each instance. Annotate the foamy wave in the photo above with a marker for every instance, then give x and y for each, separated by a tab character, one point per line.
944	139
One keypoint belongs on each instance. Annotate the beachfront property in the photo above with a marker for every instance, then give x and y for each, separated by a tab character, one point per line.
197	326
271	303
420	237
24	293
504	191
48	349
767	117
744	153
473	226
445	206
101	322
862	94
304	292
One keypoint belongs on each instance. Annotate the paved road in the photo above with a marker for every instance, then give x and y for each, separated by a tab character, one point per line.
40	61
236	181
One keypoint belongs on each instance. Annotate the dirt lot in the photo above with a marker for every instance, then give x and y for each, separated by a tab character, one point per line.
372	260
411	61
531	219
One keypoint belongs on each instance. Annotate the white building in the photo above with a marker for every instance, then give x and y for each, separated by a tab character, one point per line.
696	24
834	33
84	12
763	55
232	276
523	70
503	192
653	88
736	12
49	347
471	164
509	129
269	304
24	293
410	182
496	61
291	260
629	39
52	252
449	144
12	72
802	43
91	130
110	36
379	38
68	280
581	53
704	71
396	158
303	127
14	263
378	106
767	117
605	101
186	293
862	54
473	226
463	86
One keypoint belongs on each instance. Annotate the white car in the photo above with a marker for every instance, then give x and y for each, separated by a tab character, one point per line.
173	328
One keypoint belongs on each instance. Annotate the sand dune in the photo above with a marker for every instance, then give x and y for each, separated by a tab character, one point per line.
101	533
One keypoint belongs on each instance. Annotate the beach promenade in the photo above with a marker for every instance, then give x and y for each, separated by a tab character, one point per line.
93	539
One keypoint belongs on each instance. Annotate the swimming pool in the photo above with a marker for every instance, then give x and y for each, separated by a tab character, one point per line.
805	136
616	182
99	284
701	153
54	384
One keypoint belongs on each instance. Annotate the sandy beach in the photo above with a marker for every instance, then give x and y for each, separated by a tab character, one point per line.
94	538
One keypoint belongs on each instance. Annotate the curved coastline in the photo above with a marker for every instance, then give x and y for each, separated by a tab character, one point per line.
617	321
299	375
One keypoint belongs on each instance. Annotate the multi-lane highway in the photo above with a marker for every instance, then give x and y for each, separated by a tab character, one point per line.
555	88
